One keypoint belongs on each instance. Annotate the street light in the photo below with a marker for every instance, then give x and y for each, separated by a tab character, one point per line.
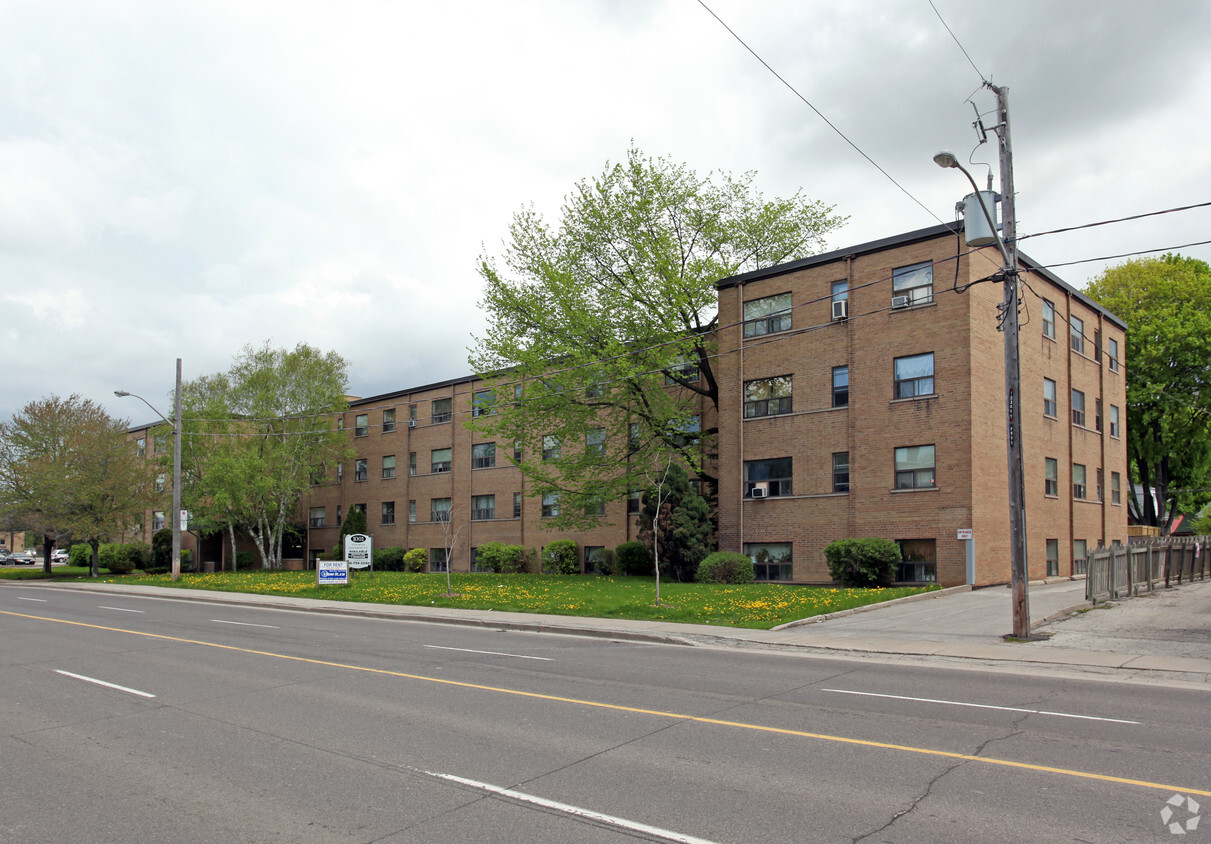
176	468
1018	570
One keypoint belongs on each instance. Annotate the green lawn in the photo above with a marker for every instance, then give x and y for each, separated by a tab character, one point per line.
758	606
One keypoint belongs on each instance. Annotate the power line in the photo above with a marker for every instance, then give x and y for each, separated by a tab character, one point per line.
956	40
1124	255
1022	237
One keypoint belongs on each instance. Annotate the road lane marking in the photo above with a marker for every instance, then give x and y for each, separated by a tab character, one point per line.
243	623
118	609
39	600
984	706
576	811
614	707
490	653
103	683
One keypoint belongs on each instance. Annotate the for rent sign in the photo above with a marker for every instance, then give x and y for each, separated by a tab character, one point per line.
331	572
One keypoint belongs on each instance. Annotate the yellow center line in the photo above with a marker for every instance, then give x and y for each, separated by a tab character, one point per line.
903	748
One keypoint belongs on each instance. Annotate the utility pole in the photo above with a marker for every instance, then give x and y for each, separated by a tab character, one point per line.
176	479
1019	572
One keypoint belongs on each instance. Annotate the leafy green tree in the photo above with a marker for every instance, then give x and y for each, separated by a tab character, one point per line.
1166	303
68	470
599	327
675	522
259	432
355	522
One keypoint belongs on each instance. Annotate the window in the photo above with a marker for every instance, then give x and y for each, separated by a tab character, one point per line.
517	505
157	520
483	507
442	410
594	441
915	282
633	437
160	482
1100	481
594	556
440	459
840	386
412	510
840	291
389	420
767	316
919	561
595	507
389	467
340	423
340	472
481	403
160	443
915	467
681	372
141	446
550	505
315	517
1048	319
439	509
360	473
338	515
685	432
412	416
550	447
633	502
1049	406
388	512
1114	420
767	397
1078	408
771	477
841	471
361	425
771	560
412	463
361	508
1053	557
483	455
1051	476
1116	488
1078	481
439	559
914	376
1079	554
476	565
1097	414
1076	334
1112	353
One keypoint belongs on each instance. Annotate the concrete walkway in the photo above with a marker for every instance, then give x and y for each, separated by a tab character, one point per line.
1166	632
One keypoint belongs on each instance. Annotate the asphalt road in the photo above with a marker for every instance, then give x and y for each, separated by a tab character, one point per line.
225	723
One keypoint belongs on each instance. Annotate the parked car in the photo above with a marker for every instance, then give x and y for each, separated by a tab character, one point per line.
60	556
25	558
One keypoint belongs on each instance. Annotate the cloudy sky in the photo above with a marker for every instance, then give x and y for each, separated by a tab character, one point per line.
178	180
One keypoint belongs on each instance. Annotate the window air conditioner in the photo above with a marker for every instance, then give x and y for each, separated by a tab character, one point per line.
841	310
900	301
760	490
411	423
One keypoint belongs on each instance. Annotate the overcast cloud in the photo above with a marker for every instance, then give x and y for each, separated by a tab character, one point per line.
178	180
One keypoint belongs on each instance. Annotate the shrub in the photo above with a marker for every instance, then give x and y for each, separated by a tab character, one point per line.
861	563
389	559
243	559
80	554
186	559
560	557
416	560
633	559
725	567
161	549
123	558
502	558
605	563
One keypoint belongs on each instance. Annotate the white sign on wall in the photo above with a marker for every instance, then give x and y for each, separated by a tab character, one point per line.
964	533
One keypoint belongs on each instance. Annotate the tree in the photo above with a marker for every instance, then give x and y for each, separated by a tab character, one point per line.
67	469
258	434
599	337
675	522
1166	303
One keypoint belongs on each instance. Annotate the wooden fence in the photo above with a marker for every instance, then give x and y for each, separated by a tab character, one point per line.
1125	570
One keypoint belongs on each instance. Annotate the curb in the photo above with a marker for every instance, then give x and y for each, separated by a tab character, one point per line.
907	599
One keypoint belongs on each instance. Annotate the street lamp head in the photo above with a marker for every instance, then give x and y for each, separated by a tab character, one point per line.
121	393
946	159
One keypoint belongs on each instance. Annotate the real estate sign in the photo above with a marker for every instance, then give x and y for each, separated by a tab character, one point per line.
331	572
359	551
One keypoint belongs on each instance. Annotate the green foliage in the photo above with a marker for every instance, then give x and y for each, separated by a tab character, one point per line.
124	557
416	560
1166	303
161	549
621	291
389	559
683	531
726	567
80	555
862	563
355	522
633	559
560	557
604	560
244	560
502	558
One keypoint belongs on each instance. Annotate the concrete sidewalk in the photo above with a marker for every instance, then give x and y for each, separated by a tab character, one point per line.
1137	636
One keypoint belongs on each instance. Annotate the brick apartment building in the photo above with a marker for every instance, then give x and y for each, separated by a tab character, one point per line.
862	394
883	415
